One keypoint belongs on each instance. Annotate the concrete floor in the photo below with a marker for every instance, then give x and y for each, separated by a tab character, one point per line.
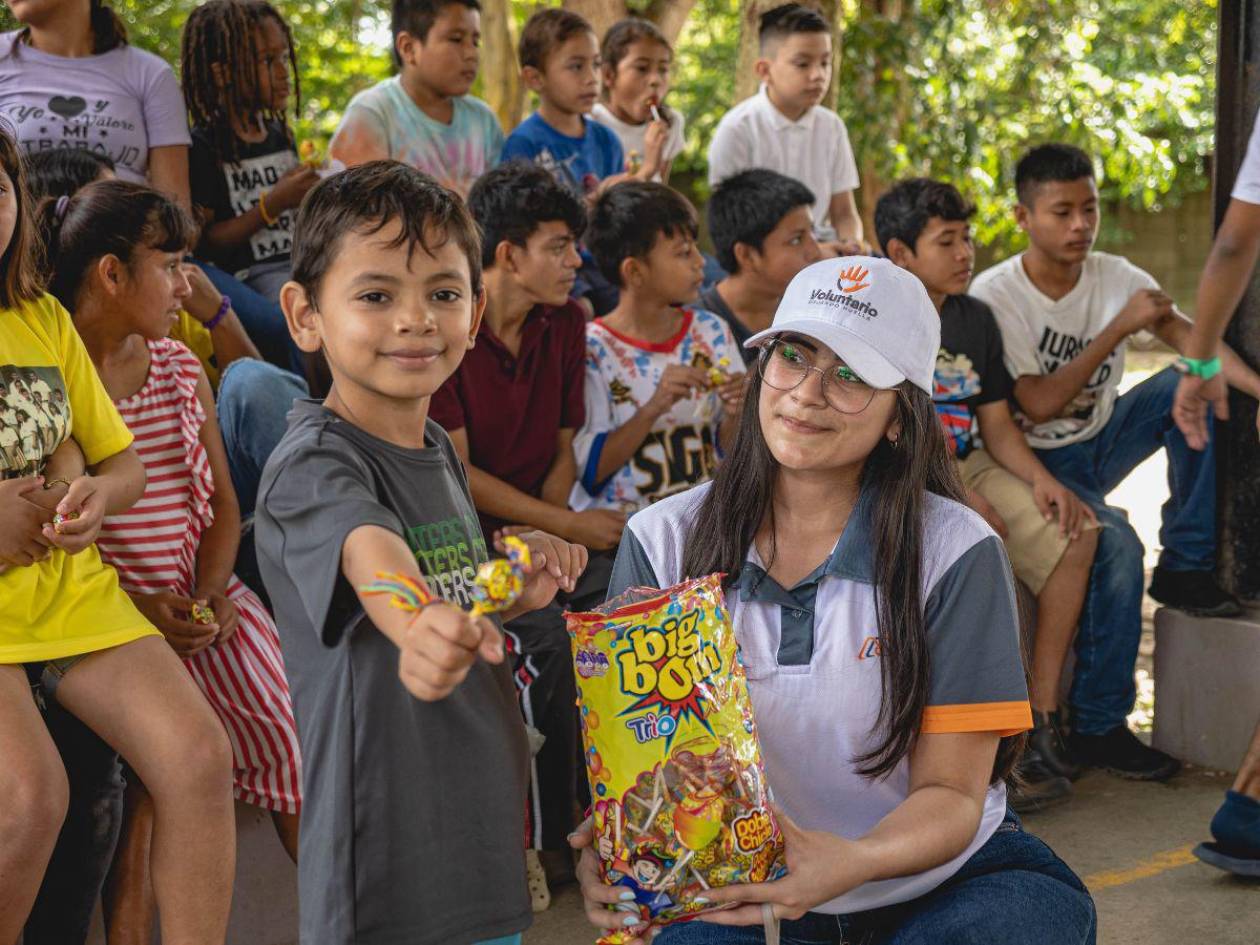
1130	842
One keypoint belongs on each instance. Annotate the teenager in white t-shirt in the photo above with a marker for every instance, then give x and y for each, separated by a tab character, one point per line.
1230	264
636	62
784	128
877	626
1065	314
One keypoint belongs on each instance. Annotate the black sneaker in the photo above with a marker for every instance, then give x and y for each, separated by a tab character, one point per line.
1036	787
1123	754
1047	741
1195	592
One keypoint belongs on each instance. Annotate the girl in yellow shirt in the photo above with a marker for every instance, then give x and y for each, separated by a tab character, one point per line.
68	631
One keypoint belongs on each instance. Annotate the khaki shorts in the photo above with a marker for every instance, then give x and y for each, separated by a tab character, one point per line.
1033	544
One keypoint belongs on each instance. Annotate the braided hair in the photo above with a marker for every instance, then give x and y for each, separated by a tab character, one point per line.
225	33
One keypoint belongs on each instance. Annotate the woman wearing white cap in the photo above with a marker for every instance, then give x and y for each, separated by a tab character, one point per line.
877	623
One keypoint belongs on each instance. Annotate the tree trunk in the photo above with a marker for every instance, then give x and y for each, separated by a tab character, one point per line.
501	76
601	13
670	16
750	12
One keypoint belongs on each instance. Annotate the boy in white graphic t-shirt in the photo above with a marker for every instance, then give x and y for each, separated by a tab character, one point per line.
1065	315
664	379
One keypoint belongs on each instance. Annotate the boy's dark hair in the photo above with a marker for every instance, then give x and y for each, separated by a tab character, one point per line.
366	199
782	21
63	171
628	218
625	33
546	30
510	201
417	17
746	206
904	211
20	279
108	30
108	217
224	33
1048	163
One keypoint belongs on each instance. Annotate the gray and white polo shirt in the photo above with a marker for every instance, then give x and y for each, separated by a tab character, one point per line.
812	654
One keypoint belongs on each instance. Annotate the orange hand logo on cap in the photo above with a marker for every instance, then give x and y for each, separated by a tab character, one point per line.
853	279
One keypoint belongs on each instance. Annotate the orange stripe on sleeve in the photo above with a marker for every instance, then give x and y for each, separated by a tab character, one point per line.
1006	718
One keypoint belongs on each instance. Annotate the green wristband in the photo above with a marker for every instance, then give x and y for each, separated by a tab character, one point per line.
1206	368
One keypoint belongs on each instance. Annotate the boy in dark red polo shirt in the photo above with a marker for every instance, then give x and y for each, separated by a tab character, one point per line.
511	410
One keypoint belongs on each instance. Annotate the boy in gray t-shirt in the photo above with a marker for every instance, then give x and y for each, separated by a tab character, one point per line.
413	748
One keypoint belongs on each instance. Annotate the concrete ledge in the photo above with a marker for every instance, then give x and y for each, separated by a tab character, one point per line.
264	898
1207	687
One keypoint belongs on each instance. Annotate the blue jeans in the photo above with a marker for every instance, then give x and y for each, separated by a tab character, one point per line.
254	403
1013	891
1103	689
262	318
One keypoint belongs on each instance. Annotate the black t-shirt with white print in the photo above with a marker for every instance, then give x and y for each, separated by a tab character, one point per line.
227	190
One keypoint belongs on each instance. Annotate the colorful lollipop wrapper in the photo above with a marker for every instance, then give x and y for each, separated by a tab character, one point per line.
202	613
311	153
717	373
60	519
500	582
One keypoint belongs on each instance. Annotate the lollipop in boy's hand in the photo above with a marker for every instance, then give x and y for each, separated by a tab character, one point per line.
500	582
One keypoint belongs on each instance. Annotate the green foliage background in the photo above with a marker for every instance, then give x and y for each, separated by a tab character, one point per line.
950	88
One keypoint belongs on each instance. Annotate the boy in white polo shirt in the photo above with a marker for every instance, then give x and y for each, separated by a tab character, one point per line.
1065	314
784	128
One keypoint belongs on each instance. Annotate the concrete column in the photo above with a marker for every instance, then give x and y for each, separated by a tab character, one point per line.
1238	451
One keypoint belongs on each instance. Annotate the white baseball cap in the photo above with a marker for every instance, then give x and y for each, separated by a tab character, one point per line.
873	314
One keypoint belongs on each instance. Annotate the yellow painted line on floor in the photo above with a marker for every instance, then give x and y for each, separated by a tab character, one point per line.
1152	866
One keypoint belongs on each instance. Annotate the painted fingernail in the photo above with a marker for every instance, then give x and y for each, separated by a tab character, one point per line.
626	896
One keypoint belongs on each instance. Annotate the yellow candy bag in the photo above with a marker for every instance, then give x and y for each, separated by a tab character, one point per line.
680	797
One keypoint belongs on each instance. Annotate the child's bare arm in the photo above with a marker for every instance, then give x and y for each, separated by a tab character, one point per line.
437	645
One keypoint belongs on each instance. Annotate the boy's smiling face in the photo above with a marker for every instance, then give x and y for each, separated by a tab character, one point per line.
394	321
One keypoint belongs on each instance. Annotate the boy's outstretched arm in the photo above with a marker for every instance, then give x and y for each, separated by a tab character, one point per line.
437	645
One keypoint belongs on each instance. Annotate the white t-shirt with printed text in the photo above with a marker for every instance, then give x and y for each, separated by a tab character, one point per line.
1040	335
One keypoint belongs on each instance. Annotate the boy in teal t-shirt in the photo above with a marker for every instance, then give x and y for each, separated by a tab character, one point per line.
424	116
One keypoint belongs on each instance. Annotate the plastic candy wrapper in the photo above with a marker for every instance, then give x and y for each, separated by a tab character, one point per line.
497	586
59	520
680	797
202	613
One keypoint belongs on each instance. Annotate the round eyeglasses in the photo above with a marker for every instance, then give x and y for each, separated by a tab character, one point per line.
784	366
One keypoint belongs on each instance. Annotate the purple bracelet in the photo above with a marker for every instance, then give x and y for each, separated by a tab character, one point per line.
224	307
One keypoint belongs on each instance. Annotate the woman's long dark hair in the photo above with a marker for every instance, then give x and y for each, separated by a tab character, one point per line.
108	30
742	497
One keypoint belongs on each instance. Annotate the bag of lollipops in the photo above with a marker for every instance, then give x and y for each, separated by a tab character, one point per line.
680	802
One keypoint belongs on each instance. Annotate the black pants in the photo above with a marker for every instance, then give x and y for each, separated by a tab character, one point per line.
85	846
543	664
